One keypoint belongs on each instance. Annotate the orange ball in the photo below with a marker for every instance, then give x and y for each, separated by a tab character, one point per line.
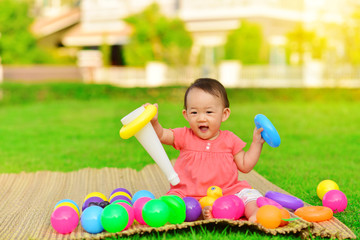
269	216
206	201
284	215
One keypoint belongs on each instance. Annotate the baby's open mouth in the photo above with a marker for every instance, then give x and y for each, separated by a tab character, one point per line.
203	128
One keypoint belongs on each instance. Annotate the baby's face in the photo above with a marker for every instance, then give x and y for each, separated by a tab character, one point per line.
205	112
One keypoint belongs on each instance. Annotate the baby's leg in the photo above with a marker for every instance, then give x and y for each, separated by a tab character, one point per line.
251	209
207	212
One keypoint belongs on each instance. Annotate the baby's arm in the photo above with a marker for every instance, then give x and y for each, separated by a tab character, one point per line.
246	161
166	136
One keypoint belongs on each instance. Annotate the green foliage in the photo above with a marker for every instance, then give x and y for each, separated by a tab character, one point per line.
157	38
245	43
17	45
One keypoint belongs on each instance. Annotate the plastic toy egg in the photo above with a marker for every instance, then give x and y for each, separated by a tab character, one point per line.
269	216
64	219
284	215
91	219
155	213
193	209
239	206
214	191
224	207
140	194
325	186
335	200
121	190
138	207
114	218
130	211
91	199
68	200
177	208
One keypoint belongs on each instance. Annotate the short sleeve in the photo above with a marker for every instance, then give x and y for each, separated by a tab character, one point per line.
238	143
179	137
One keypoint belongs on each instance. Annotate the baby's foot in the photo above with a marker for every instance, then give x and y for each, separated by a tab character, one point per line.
252	218
207	212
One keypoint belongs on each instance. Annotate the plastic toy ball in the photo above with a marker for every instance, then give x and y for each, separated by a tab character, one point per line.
91	199
64	219
68	200
284	215
130	211
114	218
325	186
269	134
120	194
121	200
193	209
69	204
138	207
120	197
335	200
155	213
269	216
96	194
177	208
121	190
239	206
224	207
142	193
91	219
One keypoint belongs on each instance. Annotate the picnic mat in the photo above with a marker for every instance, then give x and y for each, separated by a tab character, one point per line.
28	199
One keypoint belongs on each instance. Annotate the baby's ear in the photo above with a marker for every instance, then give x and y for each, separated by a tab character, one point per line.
226	114
184	114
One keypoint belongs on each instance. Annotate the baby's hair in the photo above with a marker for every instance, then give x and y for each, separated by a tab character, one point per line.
209	85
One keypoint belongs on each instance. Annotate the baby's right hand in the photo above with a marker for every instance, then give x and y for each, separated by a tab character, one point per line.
155	118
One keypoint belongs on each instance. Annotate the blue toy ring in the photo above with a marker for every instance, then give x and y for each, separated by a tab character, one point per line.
269	134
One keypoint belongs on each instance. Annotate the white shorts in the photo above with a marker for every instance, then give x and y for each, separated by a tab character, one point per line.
247	195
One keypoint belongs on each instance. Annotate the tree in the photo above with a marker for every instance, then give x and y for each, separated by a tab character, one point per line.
157	38
245	43
17	45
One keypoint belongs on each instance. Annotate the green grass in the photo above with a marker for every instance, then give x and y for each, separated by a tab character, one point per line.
53	126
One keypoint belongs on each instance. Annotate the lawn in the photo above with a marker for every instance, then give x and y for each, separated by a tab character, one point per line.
53	126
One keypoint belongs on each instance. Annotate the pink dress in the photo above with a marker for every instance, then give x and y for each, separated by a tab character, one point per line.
205	163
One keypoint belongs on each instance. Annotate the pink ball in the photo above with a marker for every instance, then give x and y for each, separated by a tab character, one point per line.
336	200
225	207
130	211
262	201
64	219
239	206
138	206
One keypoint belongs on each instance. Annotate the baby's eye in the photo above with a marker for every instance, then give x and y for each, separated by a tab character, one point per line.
209	112
193	112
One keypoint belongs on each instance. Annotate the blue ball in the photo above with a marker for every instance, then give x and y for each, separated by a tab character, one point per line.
91	219
140	194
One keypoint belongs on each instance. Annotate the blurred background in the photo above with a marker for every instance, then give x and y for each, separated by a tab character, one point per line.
243	43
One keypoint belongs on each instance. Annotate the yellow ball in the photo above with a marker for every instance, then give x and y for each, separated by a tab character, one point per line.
325	186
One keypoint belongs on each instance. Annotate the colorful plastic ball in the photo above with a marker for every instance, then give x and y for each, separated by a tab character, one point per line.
284	215
121	200
68	200
224	207
140	194
120	197
325	186
269	216
177	208
138	207
114	218
91	199
206	201
96	194
239	206
155	213
69	204
261	201
130	211
120	194
91	219
193	209
64	219
335	200
121	190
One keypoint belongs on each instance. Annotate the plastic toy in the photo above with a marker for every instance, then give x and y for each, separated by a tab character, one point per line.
138	207
121	190
261	201
121	200
335	200
285	200
95	194
137	123
120	194
314	213
120	197
269	216
64	219
91	199
284	215
269	134
239	206
91	219
155	213
193	209
213	193
140	194
130	212
68	200
325	186
177	208
114	218
225	207
69	204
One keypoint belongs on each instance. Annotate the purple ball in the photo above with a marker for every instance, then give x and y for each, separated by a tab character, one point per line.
91	199
193	209
120	197
121	190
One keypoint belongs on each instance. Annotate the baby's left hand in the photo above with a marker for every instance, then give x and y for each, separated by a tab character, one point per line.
257	136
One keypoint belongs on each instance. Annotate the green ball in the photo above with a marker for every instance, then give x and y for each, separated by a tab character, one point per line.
155	213
123	201
114	218
177	208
